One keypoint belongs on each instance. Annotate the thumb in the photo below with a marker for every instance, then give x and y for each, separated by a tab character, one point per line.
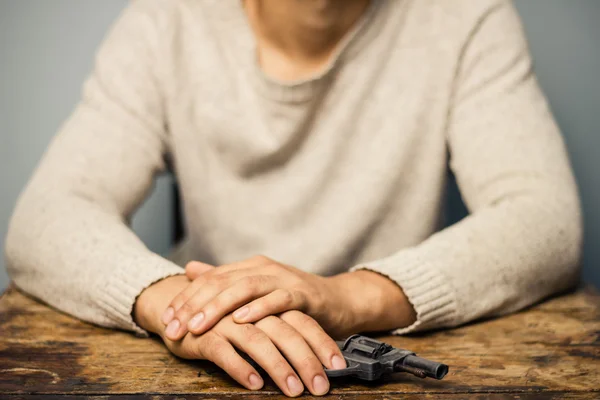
194	269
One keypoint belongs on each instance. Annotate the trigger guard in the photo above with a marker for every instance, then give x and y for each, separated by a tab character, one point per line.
350	370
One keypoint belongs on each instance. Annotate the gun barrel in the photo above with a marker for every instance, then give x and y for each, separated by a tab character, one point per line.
431	368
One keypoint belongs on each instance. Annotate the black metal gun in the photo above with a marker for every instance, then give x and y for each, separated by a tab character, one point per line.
369	359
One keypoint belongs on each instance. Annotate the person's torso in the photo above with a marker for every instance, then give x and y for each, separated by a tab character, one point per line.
321	174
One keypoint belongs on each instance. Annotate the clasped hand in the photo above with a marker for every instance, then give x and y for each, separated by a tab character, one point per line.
252	290
275	313
282	317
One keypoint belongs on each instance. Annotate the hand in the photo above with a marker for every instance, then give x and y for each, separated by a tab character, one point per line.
256	287
343	304
278	344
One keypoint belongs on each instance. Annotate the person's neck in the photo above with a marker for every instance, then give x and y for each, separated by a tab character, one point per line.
295	37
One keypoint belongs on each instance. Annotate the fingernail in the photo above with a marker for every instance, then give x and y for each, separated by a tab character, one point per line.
196	321
255	382
338	362
241	313
172	328
320	385
168	315
294	385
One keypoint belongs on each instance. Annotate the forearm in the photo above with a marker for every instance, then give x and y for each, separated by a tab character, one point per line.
69	243
510	255
497	260
80	258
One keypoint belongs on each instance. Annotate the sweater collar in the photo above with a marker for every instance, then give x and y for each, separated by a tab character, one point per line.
364	31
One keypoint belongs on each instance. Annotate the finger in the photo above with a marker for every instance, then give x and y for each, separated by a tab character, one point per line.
207	279
261	349
194	269
209	310
222	353
256	261
297	351
276	302
207	288
204	292
180	299
322	344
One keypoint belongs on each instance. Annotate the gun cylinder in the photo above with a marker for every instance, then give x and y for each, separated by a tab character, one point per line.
431	368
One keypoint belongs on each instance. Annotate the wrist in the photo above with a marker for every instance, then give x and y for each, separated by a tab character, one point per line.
375	302
154	300
347	304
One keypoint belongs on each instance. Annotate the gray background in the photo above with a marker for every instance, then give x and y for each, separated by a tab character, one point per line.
47	48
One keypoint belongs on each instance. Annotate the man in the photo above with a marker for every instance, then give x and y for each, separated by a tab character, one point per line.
316	133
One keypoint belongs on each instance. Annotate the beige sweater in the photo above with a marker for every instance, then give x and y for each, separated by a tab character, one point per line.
343	170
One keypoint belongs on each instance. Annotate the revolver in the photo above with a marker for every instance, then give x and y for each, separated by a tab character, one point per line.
369	359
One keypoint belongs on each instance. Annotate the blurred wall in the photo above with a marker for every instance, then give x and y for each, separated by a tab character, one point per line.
565	42
47	47
46	52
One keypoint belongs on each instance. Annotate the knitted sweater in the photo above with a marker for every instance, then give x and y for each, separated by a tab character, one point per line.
344	170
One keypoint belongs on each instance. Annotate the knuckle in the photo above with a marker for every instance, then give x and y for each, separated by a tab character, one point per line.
273	268
219	350
203	280
212	342
298	318
215	285
248	282
200	281
197	352
268	323
203	347
287	298
253	282
215	306
308	362
214	277
252	334
243	291
302	319
190	264
308	321
283	327
192	289
281	331
185	309
261	258
223	325
288	316
179	301
282	366
206	279
233	365
220	282
330	349
273	321
327	343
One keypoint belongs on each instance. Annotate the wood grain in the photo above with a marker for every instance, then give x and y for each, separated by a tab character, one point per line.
548	351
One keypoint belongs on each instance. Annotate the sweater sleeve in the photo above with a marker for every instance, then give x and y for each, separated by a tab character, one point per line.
522	239
69	243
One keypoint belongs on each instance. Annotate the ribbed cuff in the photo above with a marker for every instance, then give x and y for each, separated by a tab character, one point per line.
425	286
119	293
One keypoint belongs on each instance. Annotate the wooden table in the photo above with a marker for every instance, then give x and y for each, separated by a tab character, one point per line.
549	351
